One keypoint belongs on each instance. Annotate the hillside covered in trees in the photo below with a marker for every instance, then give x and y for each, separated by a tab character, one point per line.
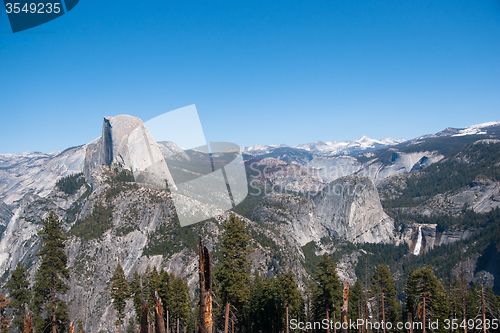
406	234
246	302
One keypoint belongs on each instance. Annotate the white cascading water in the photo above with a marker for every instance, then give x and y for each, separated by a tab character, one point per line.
419	242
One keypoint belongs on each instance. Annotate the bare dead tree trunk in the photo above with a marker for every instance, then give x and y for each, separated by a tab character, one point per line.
410	320
334	327
366	311
177	324
226	324
423	311
365	295
328	319
383	310
287	319
345	308
28	322
54	307
168	329
205	273
144	317
160	322
483	309
54	324
419	313
464	305
360	315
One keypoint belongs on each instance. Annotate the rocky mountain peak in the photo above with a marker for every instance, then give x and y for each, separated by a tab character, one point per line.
115	137
126	141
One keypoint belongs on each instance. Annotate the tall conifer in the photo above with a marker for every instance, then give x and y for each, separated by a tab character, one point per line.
384	296
120	292
292	303
328	291
19	293
233	274
425	295
50	312
180	302
136	294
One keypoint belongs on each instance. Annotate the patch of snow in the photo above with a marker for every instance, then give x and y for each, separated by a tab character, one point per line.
476	129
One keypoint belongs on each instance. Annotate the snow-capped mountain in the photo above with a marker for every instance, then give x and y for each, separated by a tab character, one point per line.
331	148
478	129
259	149
334	148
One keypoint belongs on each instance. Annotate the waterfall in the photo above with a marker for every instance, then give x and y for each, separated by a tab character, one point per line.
419	242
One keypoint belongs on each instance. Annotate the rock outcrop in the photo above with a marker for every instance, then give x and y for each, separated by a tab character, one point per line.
126	142
5	214
431	237
36	172
349	208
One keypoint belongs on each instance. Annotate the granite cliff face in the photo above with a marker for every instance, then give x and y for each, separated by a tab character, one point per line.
290	173
350	209
431	237
137	226
36	173
347	209
126	142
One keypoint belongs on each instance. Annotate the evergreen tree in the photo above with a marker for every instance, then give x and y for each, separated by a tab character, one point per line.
233	273
4	318
131	325
180	306
384	295
136	294
49	311
254	309
492	304
269	301
153	282
146	286
327	294
473	301
20	295
425	292
119	293
165	292
291	300
271	310
455	300
355	303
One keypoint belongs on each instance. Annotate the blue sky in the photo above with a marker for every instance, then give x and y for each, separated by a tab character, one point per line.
258	71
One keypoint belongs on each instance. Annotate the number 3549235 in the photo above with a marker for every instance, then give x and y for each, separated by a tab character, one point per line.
33	8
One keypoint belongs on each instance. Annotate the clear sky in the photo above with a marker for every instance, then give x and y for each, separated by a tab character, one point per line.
258	71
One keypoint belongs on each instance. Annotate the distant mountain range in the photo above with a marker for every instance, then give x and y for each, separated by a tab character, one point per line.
330	148
363	209
364	144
